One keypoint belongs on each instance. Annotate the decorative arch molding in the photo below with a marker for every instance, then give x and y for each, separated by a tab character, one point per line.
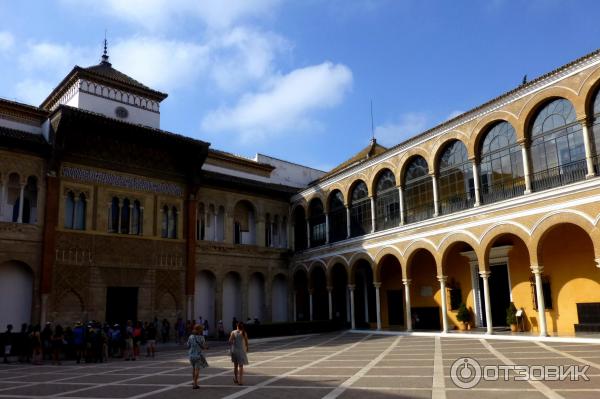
353	261
383	252
408	157
414	247
587	90
330	191
440	145
320	195
331	262
355	180
376	172
302	204
533	105
453	238
483	126
299	267
315	264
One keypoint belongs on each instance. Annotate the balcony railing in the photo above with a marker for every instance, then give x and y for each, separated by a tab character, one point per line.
502	191
456	202
559	175
419	213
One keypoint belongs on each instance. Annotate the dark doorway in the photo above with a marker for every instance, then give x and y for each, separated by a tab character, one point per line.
499	295
121	304
395	306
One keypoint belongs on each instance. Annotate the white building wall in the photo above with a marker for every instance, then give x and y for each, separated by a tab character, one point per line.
232	300
16	295
289	173
205	299
107	107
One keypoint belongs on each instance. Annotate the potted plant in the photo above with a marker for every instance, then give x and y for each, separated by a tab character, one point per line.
511	317
463	316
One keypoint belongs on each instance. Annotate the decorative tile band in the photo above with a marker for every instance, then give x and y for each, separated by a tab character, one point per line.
134	183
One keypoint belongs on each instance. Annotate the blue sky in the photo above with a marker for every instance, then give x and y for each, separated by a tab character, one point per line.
294	79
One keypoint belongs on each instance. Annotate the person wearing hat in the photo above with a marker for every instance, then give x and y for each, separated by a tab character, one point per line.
196	343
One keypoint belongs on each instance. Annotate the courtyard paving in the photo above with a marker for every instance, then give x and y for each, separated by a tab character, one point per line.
336	365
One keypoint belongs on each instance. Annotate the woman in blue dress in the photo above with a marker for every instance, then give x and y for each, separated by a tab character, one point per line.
196	343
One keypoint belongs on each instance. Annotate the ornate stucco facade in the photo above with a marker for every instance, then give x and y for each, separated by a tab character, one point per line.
120	219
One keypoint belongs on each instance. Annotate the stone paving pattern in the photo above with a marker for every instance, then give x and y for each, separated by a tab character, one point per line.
337	365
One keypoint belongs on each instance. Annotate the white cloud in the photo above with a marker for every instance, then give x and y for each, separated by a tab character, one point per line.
454	114
405	126
164	14
7	40
285	105
32	91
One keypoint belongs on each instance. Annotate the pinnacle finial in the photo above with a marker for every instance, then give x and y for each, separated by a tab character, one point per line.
105	53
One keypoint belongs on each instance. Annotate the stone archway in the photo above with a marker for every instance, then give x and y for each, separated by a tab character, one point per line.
16	293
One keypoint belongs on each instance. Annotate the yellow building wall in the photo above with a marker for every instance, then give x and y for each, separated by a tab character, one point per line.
458	271
391	279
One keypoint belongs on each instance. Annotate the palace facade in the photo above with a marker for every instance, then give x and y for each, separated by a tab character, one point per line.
105	216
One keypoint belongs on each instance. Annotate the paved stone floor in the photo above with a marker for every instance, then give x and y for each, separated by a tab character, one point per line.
344	365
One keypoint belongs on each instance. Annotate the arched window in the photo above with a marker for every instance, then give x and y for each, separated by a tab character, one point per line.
456	187
173	222
299	229
316	222
80	207
69	210
136	218
244	223
164	231
338	224
418	191
114	215
125	216
201	223
557	149
13	200
284	233
596	130
30	203
360	210
387	201
221	224
276	232
501	169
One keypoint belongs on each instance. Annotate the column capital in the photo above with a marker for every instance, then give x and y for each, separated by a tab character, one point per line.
406	281
351	287
311	291
537	269
376	284
523	141
442	279
597	260
329	288
485	274
584	120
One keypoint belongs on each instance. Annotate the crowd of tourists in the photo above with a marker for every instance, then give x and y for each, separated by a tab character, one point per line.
90	342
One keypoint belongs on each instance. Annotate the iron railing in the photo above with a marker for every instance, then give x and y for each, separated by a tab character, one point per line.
502	191
418	213
456	202
559	175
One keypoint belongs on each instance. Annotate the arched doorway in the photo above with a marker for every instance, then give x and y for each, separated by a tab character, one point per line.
391	292
424	292
364	295
16	293
206	286
301	304
300	237
279	299
244	220
320	300
256	297
339	281
232	299
462	272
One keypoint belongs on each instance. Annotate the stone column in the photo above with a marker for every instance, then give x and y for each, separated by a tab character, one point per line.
310	304
526	166
348	223
307	233
21	203
372	214
436	201
49	239
442	280
589	150
406	283
352	318
190	251
377	285
326	228
330	299
476	182
401	200
487	302
214	227
539	293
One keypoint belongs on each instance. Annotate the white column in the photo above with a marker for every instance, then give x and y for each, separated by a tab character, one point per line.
330	298
401	200
436	201
377	304
310	304
442	280
307	233
214	227
21	203
348	225
327	228
526	168
539	293
406	283
352	318
589	153
477	183
372	214
487	302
